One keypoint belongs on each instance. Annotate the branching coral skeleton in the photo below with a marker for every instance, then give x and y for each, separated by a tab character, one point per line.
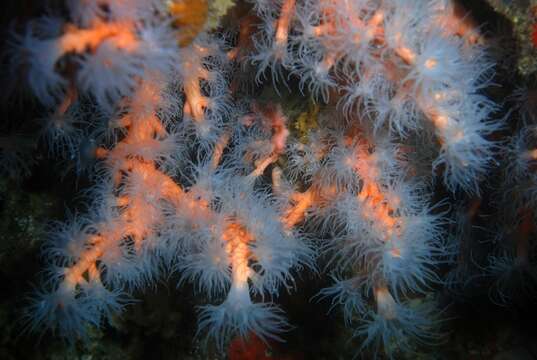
181	186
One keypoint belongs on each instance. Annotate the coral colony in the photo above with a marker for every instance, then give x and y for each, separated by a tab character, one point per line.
196	175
